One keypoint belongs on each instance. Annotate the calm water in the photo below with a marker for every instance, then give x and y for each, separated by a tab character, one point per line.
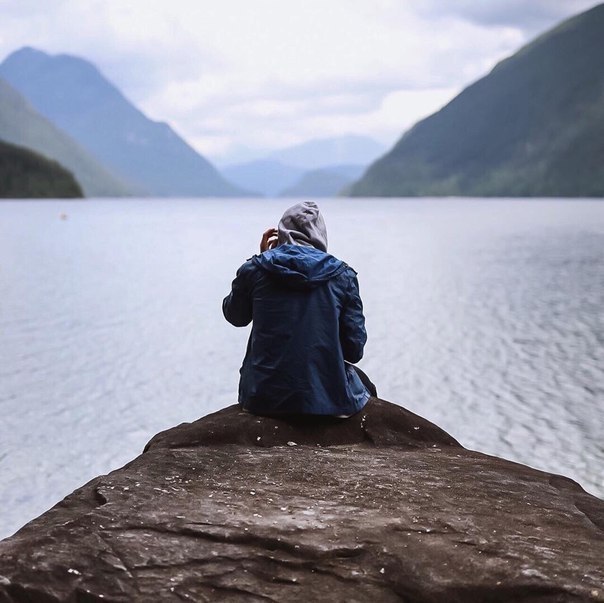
486	317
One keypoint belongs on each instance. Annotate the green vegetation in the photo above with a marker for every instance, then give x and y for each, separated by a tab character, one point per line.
21	125
25	174
533	127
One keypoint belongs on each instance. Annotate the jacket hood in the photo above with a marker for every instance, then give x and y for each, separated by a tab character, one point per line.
303	224
299	266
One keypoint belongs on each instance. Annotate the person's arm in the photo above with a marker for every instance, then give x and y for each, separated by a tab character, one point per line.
237	305
352	324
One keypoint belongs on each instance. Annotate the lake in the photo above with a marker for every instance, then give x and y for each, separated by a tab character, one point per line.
484	316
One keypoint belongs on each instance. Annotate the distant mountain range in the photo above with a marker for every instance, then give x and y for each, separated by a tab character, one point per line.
63	107
25	174
533	127
325	182
147	155
266	177
322	152
320	167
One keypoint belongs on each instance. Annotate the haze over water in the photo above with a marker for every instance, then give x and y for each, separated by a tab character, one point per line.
484	316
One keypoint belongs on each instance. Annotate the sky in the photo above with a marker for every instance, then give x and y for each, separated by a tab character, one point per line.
238	78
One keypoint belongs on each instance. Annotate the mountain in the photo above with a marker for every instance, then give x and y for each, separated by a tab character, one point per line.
21	125
325	182
319	153
25	174
265	176
314	168
534	126
77	98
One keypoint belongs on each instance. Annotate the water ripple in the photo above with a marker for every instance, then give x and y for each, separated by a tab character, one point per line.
486	317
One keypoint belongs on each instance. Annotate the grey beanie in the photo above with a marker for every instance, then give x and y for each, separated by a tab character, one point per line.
303	224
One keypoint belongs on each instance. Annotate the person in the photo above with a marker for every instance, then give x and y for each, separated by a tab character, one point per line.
307	323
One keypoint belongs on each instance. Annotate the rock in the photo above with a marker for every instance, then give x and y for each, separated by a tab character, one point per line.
384	506
381	423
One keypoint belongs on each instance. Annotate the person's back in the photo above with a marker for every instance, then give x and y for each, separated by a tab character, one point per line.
307	324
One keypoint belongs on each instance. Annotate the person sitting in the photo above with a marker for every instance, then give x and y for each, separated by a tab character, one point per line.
307	320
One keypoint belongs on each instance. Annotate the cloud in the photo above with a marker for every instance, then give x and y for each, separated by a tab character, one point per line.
319	118
529	17
268	72
333	82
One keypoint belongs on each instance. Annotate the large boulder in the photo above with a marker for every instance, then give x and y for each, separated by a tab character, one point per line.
383	506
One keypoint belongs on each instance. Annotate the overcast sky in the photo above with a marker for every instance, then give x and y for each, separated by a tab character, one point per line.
269	73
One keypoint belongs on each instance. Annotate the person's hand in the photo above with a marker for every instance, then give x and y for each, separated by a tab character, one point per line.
269	240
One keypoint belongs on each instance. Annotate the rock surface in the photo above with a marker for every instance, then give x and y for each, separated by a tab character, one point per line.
384	506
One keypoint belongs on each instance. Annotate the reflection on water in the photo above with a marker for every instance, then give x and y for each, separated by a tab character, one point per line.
483	316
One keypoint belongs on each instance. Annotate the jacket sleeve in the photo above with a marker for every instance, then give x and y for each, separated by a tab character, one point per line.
237	305
352	324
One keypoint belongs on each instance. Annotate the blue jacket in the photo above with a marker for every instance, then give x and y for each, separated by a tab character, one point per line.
307	320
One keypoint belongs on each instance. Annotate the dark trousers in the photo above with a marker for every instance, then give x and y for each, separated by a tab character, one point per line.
365	381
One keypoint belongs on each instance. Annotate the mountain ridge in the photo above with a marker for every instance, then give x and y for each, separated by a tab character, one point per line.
328	181
265	176
318	153
25	174
311	167
73	94
533	126
22	125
